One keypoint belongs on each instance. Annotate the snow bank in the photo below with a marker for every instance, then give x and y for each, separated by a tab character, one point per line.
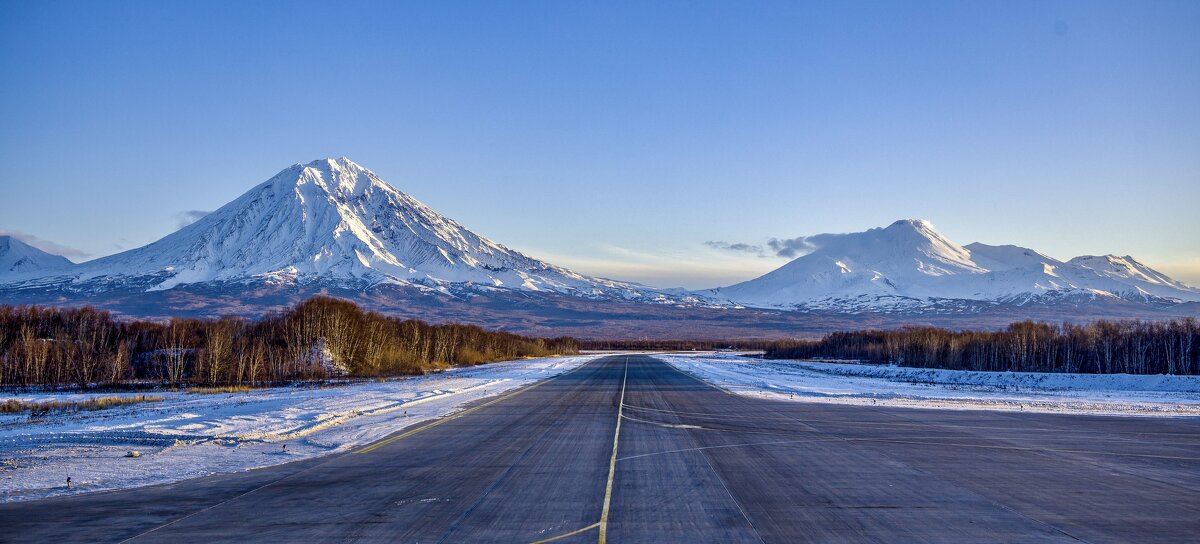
847	383
1012	380
189	435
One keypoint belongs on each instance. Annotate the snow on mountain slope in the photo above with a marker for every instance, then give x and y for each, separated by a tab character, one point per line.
18	259
335	223
908	265
1140	278
1015	272
1007	257
892	261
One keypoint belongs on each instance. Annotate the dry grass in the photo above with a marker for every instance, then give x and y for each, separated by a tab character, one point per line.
221	389
87	405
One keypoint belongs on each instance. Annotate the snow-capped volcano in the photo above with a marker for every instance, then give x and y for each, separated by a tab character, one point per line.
19	259
909	265
333	222
334	226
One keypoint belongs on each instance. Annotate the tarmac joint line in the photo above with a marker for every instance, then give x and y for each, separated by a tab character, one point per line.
612	463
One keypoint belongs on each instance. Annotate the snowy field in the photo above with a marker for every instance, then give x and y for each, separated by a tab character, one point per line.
189	435
848	383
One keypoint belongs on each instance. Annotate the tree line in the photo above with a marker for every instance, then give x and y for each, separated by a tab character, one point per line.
1102	347
672	345
316	339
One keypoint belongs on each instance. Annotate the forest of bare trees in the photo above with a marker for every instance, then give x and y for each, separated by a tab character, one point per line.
319	337
1105	347
673	345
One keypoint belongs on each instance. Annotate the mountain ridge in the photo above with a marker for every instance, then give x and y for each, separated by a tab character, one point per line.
333	221
18	258
334	225
910	266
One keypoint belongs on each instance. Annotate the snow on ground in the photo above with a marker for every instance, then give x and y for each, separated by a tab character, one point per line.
865	384
189	435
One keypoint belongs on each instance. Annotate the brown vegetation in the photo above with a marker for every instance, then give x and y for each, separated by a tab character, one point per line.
1105	347
318	338
98	403
219	389
673	345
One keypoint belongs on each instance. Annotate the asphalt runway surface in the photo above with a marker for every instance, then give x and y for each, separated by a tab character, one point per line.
627	449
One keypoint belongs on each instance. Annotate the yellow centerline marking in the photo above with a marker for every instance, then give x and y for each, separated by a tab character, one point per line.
612	463
572	533
440	421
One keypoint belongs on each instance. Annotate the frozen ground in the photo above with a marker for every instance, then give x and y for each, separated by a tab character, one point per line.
189	435
848	383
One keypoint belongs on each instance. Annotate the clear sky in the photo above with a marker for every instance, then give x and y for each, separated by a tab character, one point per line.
619	138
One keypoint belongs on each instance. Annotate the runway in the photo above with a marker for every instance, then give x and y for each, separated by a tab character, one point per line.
628	449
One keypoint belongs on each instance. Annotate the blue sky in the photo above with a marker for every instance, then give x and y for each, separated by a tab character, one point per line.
618	138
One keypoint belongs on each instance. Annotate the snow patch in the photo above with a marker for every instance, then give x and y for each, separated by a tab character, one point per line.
865	384
189	435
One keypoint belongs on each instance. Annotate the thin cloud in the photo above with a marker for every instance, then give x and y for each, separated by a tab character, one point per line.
188	217
46	245
792	247
740	247
789	248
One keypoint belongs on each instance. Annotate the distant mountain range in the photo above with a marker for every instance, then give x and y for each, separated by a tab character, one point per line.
908	266
332	226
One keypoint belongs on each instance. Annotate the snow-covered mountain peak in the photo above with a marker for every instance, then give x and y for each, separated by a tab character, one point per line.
887	261
1124	269
18	258
909	263
333	222
900	247
918	225
340	175
915	230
